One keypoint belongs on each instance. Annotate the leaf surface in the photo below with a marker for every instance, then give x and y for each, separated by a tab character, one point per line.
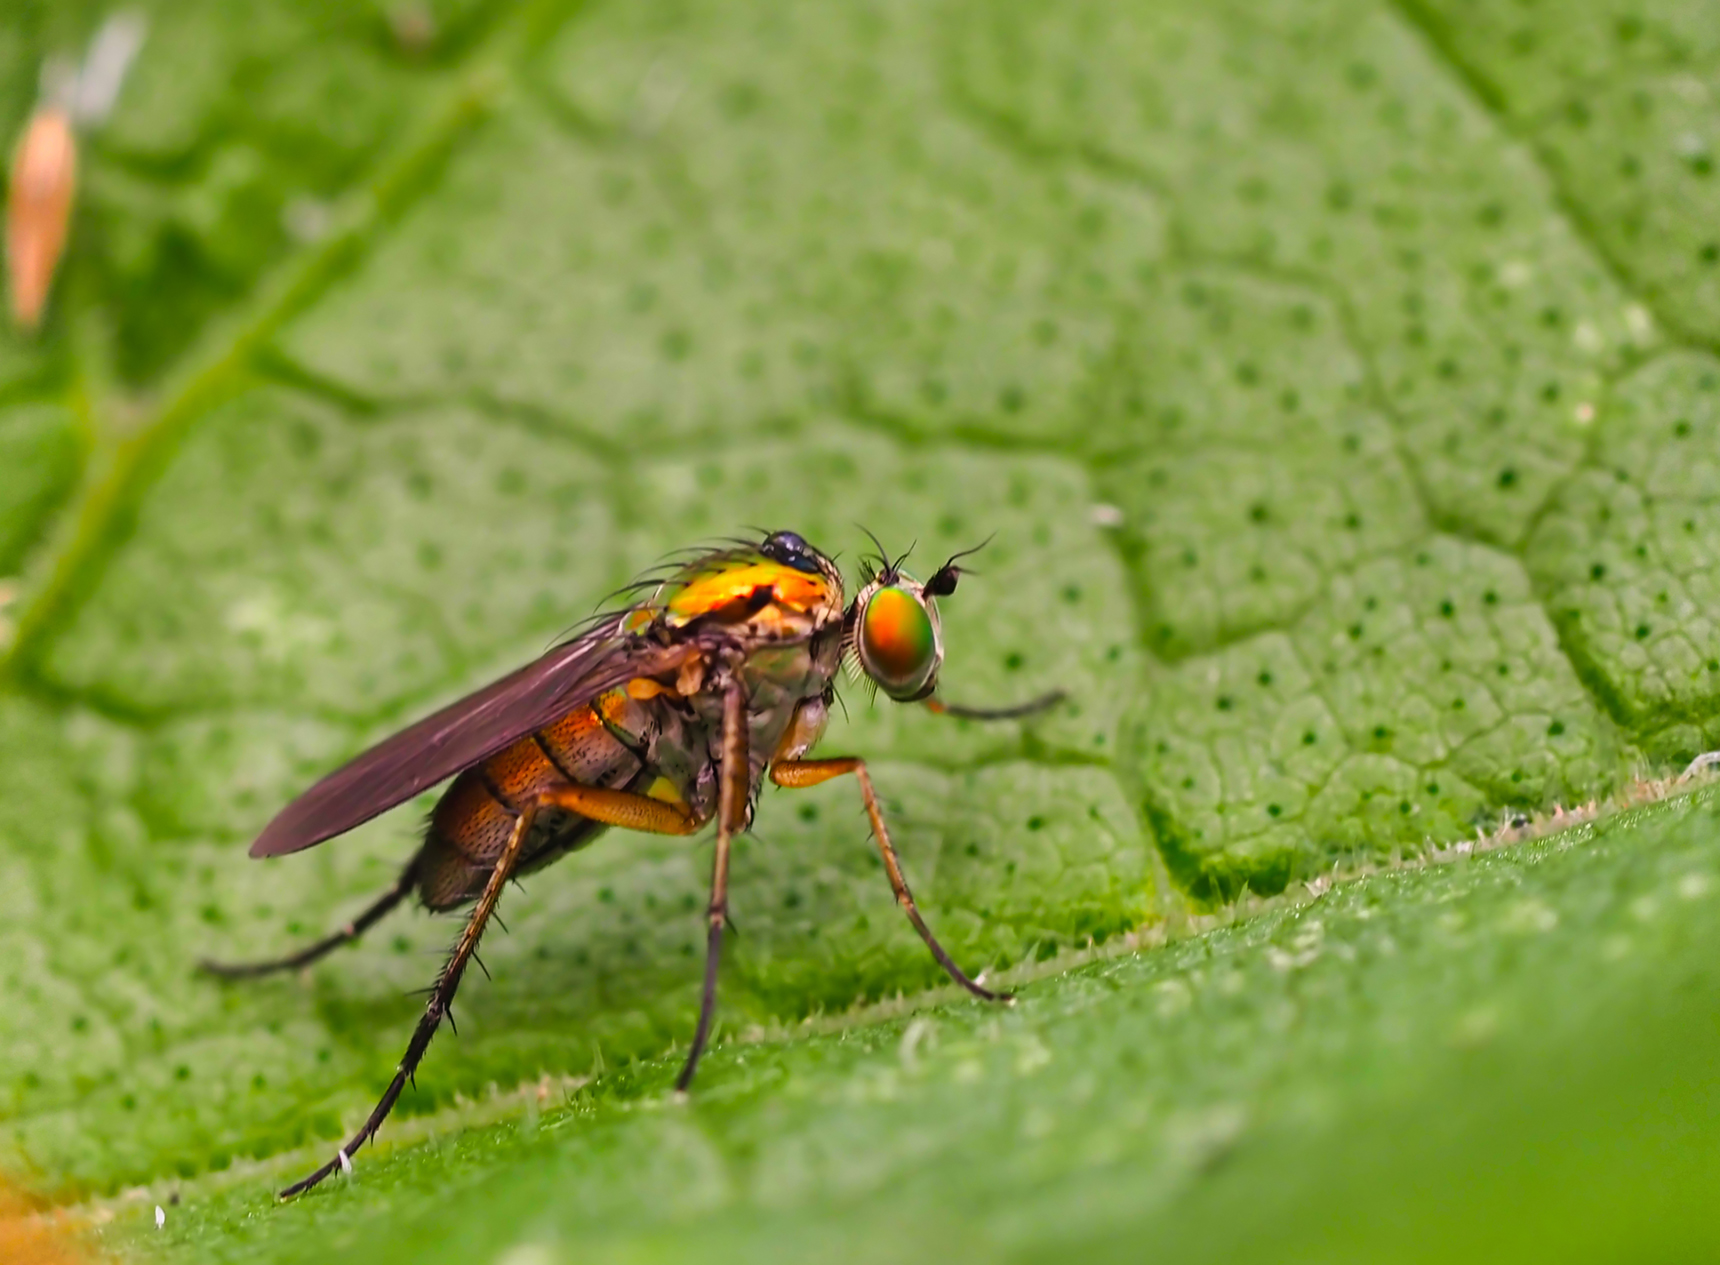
1334	378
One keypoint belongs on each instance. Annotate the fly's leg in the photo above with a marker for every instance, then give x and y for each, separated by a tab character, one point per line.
441	998
1707	760
1030	708
803	773
732	794
613	808
378	909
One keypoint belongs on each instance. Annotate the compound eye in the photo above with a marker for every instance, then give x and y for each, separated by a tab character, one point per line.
898	645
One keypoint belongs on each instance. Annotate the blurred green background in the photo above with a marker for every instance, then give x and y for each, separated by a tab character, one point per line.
1338	379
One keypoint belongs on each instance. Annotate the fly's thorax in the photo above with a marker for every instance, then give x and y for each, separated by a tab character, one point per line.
678	725
768	616
668	736
780	590
779	681
776	679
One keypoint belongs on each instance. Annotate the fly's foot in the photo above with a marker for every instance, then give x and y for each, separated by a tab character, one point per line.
1707	760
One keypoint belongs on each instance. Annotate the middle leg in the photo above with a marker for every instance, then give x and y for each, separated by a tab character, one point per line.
733	791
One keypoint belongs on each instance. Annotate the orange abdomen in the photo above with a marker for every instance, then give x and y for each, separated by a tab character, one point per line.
471	823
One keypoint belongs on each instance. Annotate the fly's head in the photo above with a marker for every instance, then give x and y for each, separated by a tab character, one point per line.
892	629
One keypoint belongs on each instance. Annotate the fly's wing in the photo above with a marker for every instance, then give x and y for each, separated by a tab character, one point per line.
462	734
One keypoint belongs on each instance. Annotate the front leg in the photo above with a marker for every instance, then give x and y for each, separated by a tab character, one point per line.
801	773
1032	707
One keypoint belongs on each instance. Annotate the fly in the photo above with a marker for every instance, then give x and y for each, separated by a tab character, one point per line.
662	716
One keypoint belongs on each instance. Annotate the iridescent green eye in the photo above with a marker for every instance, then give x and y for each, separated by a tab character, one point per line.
898	643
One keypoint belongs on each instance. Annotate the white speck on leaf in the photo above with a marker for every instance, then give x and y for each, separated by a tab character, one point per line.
1515	274
937	254
1032	1056
279	632
1173	997
917	1032
1689	88
1477	1027
307	220
1037	1123
1638	321
160	1217
1530	917
105	65
1103	515
528	1254
659	92
1204	1137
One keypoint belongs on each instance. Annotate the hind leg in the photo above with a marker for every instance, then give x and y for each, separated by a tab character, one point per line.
378	909
612	808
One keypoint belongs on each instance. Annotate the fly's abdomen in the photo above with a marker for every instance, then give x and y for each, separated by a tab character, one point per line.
471	823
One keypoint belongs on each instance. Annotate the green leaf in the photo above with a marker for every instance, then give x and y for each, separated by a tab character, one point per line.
1336	383
1464	1059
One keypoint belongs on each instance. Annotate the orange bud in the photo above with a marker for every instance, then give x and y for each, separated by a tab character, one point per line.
39	210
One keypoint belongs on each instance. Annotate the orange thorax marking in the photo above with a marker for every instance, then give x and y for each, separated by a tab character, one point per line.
798	590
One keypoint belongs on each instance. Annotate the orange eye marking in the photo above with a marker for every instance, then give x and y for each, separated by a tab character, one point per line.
797	589
898	634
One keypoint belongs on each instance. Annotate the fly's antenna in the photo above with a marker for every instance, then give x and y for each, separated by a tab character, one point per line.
891	568
883	554
968	553
943	581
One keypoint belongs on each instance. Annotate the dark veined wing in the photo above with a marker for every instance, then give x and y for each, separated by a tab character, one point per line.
462	734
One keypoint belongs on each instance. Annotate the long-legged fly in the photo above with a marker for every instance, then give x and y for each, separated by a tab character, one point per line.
660	716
